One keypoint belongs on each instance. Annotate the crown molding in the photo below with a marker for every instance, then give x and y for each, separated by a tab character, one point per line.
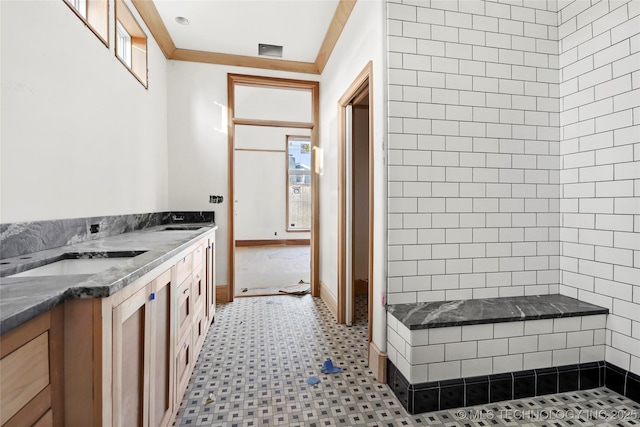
243	61
340	18
151	17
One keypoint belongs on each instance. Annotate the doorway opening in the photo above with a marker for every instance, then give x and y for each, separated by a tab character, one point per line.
355	247
273	216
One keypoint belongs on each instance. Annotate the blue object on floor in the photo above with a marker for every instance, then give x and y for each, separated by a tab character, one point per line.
313	380
328	368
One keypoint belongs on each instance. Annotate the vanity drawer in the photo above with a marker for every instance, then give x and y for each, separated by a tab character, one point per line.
184	268
24	374
198	256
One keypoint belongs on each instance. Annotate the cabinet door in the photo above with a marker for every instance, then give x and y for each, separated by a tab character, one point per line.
130	402
199	331
161	352
184	307
199	290
210	277
184	364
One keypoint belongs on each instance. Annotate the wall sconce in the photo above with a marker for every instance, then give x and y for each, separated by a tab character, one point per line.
319	160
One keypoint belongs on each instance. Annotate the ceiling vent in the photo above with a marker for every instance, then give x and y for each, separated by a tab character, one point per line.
270	50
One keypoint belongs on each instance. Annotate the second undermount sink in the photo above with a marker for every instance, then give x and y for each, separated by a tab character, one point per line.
79	263
181	228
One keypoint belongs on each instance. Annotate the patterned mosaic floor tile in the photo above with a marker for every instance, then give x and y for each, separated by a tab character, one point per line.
261	351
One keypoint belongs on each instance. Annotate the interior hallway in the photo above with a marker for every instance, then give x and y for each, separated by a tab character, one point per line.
259	267
260	352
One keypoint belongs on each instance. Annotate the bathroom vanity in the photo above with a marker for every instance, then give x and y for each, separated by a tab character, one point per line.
112	347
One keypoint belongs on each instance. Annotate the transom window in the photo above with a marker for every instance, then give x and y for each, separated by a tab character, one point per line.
123	44
95	14
131	43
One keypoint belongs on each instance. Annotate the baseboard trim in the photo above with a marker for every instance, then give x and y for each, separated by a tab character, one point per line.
378	363
282	242
622	381
461	392
222	293
329	299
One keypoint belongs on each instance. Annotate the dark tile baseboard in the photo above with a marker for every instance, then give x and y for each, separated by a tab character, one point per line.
440	395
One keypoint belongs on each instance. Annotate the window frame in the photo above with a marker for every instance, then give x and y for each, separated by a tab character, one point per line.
126	57
139	66
287	188
96	15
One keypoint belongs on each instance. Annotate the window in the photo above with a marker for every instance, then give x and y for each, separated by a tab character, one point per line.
131	43
298	183
123	44
95	14
80	6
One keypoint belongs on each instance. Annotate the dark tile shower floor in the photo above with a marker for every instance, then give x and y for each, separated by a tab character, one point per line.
261	351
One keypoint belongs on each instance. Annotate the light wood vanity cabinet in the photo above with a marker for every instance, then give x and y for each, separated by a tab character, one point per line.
30	366
142	372
156	336
124	360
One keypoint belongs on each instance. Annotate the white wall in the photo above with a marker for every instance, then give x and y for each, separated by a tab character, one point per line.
600	89
198	141
362	40
260	195
267	103
80	135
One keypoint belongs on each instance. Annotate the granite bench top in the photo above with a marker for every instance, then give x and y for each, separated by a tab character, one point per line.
24	298
440	314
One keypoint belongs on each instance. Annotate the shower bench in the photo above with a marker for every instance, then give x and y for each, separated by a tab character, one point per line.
449	354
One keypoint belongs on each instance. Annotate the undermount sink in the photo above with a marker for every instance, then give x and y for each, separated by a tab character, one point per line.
181	228
81	263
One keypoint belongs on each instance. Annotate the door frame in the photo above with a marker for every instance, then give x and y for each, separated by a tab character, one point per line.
234	80
363	81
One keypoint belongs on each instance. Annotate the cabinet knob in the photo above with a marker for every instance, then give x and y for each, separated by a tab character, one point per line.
152	296
209	247
185	291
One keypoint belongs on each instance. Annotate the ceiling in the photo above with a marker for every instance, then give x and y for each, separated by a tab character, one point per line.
229	31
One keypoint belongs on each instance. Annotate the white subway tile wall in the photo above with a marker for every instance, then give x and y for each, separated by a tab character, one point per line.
514	155
478	213
426	355
600	139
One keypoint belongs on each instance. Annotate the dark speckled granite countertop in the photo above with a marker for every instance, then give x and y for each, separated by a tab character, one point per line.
24	298
442	314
